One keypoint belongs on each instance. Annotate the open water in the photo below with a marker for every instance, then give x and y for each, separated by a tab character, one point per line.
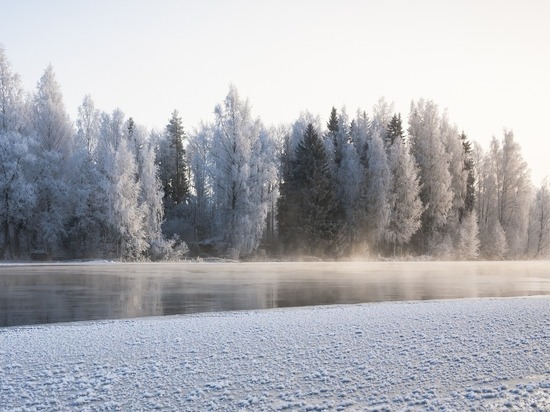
48	293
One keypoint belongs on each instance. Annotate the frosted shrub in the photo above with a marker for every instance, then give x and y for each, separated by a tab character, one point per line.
168	250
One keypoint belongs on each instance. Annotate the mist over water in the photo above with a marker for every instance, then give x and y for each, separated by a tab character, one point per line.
36	294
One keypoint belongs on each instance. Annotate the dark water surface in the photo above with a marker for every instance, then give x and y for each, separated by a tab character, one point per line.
34	294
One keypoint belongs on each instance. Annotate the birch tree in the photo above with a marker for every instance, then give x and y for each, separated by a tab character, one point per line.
429	152
513	194
239	176
539	223
405	206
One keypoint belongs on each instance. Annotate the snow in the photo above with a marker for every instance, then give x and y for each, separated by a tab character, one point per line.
435	355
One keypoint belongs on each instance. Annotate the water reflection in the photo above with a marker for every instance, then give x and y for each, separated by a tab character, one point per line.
36	294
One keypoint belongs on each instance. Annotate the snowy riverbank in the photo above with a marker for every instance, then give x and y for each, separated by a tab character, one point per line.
490	353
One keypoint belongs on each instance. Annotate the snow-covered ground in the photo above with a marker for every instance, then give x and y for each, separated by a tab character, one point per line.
437	355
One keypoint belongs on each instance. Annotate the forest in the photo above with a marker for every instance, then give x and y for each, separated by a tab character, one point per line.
368	185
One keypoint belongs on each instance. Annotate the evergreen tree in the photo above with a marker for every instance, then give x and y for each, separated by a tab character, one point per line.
360	130
287	203
335	138
176	185
290	233
469	200
332	124
309	215
395	130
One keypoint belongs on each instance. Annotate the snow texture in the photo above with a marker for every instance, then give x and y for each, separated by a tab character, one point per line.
439	355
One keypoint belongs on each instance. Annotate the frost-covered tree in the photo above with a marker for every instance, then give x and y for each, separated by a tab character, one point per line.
51	122
503	198
17	191
83	236
200	164
150	188
54	137
513	194
405	206
485	185
377	178
87	125
280	140
50	216
84	207
124	233
493	240
240	175
539	223
349	175
486	201
456	156
11	97
429	152
360	129
467	243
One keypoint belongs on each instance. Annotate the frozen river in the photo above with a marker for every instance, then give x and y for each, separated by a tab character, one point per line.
35	294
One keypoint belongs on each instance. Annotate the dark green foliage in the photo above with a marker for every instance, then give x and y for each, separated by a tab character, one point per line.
333	134
287	202
176	187
309	215
332	124
395	129
469	199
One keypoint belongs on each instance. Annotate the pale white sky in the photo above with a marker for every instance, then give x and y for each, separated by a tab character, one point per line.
486	61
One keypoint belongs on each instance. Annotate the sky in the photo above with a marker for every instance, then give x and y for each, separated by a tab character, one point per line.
487	62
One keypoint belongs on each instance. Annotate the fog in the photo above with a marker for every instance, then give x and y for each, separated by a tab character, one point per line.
35	294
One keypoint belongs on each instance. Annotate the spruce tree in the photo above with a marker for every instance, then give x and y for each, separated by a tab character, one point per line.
287	203
332	124
469	200
333	136
395	130
319	217
177	188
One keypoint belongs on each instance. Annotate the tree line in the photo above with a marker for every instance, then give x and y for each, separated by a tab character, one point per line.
363	185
